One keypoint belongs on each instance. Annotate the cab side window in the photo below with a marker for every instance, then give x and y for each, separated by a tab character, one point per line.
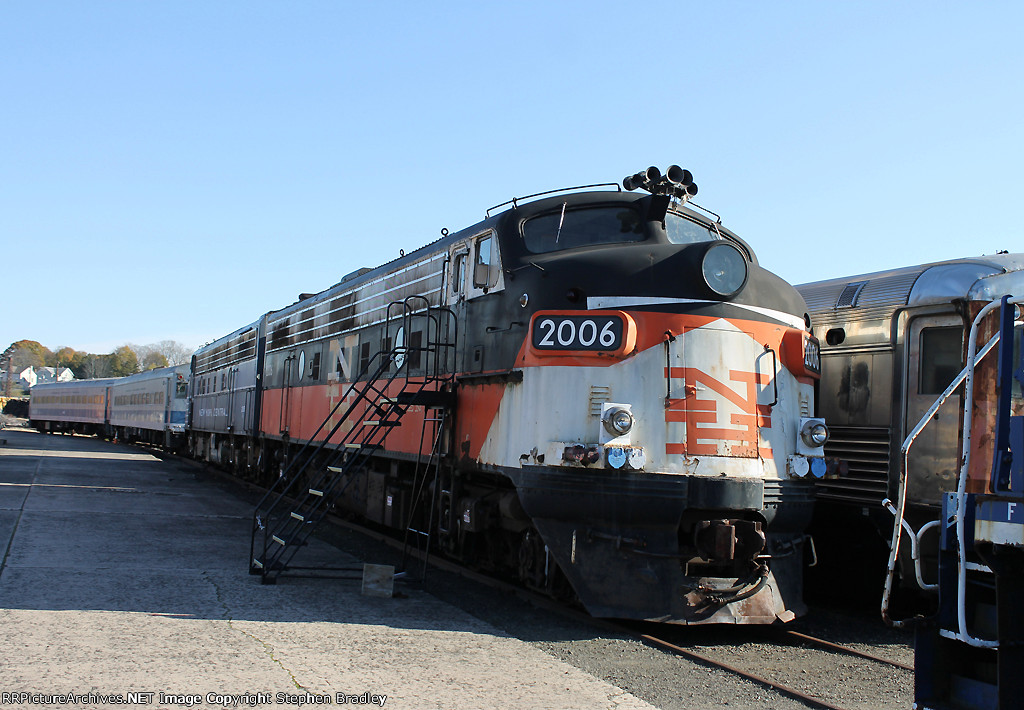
482	277
941	358
459	275
475	268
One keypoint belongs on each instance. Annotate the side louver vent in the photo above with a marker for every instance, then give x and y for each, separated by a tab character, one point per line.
848	298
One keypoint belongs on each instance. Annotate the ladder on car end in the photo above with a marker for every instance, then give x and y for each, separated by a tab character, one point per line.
338	454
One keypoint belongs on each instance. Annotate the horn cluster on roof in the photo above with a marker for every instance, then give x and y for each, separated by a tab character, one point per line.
676	182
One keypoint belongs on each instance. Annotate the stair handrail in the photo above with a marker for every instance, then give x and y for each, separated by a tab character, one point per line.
289	478
355	461
286	476
963	634
283	485
965	375
445	334
899	511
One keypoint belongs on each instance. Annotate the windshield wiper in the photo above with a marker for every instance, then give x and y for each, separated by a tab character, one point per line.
561	220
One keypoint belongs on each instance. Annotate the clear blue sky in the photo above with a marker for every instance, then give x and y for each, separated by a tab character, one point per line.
171	170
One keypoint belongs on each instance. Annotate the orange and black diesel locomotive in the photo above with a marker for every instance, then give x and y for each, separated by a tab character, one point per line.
625	415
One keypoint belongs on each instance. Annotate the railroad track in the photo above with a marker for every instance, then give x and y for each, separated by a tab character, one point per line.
763	678
800	637
692	642
782	638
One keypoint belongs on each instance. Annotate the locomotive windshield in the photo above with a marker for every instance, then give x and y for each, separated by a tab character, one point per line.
568	229
681	230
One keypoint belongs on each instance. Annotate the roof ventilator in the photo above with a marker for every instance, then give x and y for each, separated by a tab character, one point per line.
848	298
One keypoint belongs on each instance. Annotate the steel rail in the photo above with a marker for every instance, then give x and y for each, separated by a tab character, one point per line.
839	648
753	677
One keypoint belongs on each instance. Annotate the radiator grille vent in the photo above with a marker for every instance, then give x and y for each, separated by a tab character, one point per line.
866	451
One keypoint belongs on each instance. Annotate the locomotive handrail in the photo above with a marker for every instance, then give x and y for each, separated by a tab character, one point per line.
966	375
283	484
373	380
915	544
901	495
961	488
515	200
775	374
436	368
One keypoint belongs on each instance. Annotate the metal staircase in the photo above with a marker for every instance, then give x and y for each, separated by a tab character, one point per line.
402	374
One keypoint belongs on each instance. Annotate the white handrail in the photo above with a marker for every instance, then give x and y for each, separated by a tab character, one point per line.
901	493
915	545
961	494
966	375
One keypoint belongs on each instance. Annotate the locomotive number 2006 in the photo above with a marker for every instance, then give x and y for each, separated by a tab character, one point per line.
577	333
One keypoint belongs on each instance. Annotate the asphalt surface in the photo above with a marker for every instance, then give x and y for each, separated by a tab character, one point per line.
124	581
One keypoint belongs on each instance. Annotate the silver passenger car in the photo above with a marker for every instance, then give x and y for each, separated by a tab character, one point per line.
151	406
891	342
78	406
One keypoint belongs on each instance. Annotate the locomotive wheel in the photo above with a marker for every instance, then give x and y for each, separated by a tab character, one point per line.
531	560
539	571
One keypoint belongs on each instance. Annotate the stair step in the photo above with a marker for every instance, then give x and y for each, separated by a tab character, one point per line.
257	563
428	398
278	540
298	517
377	422
315	492
355	446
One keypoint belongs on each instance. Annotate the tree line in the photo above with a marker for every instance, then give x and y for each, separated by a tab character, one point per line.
125	360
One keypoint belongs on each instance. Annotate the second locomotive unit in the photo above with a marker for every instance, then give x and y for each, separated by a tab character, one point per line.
629	412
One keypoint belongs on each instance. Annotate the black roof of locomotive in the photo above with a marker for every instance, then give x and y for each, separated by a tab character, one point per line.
514	253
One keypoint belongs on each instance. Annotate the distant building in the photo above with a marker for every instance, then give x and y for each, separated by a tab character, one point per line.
32	376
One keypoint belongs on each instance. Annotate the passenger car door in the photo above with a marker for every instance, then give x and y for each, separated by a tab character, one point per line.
934	345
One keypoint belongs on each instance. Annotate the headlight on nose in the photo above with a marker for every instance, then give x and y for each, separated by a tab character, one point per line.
724	269
814	434
618	421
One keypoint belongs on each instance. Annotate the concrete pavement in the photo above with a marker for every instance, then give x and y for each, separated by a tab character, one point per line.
124	578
